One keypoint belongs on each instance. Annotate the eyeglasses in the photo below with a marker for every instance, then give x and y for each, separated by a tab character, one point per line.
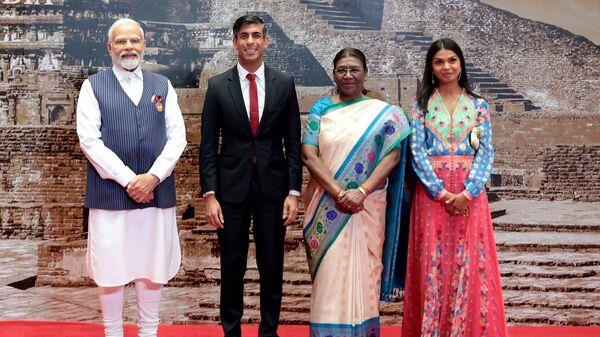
342	71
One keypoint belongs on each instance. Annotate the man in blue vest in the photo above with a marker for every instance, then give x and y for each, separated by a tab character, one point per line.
131	130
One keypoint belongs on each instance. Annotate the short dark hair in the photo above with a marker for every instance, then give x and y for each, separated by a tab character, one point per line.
248	19
430	82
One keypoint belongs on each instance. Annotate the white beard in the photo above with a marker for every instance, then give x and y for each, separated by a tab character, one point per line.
128	64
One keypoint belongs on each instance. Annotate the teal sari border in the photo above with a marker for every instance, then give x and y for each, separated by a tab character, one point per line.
318	250
359	142
396	144
310	144
342	104
368	328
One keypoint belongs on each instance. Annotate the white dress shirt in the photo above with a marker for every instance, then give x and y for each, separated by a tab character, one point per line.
260	85
106	162
124	245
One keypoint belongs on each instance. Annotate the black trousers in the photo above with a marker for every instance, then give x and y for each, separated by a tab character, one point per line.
269	237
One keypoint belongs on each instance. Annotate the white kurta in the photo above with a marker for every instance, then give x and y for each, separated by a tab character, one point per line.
139	243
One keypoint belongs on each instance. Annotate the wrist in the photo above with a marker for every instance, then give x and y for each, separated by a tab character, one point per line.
443	195
208	196
338	194
155	179
467	195
364	190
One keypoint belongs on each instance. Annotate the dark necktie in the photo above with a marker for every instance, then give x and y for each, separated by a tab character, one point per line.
253	102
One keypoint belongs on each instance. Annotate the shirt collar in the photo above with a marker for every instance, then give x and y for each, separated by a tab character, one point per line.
260	72
123	74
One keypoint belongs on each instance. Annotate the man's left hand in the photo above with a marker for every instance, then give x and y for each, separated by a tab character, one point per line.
290	209
141	188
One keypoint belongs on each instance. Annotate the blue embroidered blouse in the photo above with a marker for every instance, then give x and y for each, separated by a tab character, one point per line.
440	133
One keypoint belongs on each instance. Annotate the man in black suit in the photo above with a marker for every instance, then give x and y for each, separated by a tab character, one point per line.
253	109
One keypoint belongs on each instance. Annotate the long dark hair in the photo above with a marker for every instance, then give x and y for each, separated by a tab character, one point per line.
352	52
430	82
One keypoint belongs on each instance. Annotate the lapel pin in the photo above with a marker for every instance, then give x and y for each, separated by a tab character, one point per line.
158	105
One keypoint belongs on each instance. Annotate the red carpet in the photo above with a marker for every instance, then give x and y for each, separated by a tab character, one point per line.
72	329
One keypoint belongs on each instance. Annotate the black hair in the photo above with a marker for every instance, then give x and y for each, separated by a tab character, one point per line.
248	19
430	82
352	52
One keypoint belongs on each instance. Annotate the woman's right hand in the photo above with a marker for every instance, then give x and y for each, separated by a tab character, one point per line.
459	204
344	209
455	204
447	201
338	205
352	200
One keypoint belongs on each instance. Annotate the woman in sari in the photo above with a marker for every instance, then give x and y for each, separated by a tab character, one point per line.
453	280
351	145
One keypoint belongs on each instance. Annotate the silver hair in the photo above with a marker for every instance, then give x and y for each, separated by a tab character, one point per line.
121	22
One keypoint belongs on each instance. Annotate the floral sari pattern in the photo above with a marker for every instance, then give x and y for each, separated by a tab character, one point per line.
345	250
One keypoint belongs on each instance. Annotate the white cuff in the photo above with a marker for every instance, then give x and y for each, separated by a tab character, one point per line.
155	172
124	177
208	193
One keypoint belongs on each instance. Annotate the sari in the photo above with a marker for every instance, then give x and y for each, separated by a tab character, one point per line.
453	279
345	251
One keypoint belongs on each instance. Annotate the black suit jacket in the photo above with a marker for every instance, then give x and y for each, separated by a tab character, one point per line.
227	169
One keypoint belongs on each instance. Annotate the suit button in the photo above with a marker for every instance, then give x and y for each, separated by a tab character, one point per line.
140	125
253	160
142	157
141	141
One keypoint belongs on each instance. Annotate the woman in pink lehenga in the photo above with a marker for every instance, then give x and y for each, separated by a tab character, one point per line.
453	280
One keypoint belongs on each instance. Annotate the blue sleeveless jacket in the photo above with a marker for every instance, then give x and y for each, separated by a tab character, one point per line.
137	134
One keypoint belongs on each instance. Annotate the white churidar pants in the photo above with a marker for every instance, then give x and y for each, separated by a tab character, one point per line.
140	245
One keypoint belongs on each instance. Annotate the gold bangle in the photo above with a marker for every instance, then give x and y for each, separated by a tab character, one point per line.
362	190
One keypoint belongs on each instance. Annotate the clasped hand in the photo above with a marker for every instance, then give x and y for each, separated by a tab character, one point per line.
351	201
456	204
141	187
